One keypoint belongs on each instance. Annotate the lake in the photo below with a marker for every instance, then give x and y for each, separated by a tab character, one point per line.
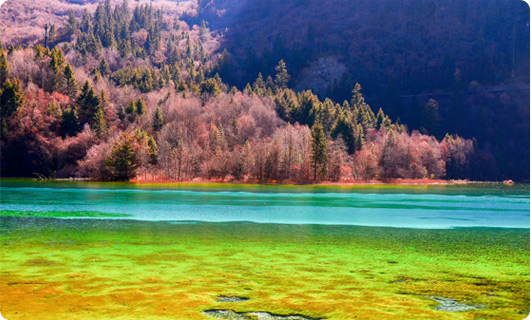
205	251
374	205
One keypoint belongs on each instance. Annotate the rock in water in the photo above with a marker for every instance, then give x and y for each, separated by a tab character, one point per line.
231	299
450	305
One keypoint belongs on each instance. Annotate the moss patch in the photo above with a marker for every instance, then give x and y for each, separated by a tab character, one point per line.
60	214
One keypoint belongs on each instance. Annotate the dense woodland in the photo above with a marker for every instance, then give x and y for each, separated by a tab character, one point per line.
470	56
130	91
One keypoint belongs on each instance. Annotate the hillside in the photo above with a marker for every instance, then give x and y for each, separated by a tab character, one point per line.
455	52
155	78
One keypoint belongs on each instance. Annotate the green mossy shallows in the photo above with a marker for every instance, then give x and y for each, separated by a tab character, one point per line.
59	214
112	269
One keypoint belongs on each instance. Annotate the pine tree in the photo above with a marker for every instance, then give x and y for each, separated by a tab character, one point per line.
148	45
247	90
121	113
382	120
4	66
72	23
11	98
308	103
158	120
430	118
123	161
166	76
141	108
52	34
88	103
38	52
71	87
270	84
54	109
345	127
360	134
56	62
85	21
131	110
124	48
104	68
153	150
69	123
100	124
318	154
103	97
146	83
282	77
210	88
364	114
357	98
259	85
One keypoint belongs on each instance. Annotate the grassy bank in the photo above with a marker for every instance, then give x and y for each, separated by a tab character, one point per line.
108	269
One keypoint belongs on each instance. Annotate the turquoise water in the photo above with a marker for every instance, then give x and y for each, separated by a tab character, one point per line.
433	207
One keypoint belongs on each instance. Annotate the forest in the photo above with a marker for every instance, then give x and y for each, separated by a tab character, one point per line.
133	91
470	56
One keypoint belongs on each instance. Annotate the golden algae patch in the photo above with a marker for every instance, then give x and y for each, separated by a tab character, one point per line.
40	262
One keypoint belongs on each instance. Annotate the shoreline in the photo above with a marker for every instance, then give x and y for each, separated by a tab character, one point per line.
410	182
347	183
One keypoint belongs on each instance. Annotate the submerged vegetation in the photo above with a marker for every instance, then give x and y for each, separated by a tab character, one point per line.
59	214
107	268
127	93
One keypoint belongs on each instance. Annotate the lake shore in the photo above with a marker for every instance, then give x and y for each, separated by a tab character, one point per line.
328	183
350	182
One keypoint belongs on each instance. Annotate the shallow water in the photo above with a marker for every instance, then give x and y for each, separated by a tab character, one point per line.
433	207
128	251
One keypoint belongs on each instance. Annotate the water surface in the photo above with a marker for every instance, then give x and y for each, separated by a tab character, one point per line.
433	207
123	250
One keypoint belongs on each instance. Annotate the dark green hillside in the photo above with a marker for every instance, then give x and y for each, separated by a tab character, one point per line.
470	56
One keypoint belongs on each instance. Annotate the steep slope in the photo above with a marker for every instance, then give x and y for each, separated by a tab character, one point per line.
470	56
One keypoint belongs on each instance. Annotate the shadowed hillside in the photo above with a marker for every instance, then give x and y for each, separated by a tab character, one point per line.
404	53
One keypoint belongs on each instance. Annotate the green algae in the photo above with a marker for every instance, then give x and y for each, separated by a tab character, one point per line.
107	269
